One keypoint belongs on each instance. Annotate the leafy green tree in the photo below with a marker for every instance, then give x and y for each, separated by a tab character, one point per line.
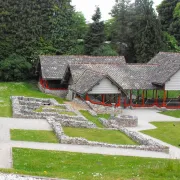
29	27
95	35
15	68
81	26
165	11
170	43
174	28
108	28
105	50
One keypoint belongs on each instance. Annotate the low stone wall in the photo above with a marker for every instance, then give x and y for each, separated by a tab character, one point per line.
56	121
120	121
59	93
147	145
104	109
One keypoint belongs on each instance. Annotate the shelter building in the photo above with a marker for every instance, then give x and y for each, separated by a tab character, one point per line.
107	80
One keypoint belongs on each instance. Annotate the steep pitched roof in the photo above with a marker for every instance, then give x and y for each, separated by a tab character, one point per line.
54	67
52	70
168	64
87	81
127	76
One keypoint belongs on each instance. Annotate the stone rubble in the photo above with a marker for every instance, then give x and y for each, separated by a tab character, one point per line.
25	107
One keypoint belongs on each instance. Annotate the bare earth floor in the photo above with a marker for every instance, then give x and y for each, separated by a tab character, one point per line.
145	116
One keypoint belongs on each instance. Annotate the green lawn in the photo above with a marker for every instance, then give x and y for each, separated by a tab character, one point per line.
100	135
92	166
166	131
18	89
69	113
40	109
105	116
173	113
33	135
94	119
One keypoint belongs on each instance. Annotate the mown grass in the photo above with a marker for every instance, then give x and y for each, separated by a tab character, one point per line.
33	135
166	131
105	116
92	166
40	109
19	89
94	119
99	135
173	113
69	113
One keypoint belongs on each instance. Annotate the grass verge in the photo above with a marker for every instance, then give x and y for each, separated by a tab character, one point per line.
92	166
173	113
69	113
28	89
166	131
33	135
100	135
94	119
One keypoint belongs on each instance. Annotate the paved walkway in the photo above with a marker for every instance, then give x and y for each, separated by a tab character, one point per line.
145	116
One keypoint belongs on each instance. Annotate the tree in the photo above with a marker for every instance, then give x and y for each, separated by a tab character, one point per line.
27	27
80	25
108	28
148	34
95	35
165	11
121	31
174	28
14	68
170	43
105	50
137	32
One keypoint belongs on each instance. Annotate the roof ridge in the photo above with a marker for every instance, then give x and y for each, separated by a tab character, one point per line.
83	56
163	52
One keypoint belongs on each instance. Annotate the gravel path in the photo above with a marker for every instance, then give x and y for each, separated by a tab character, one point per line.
4	176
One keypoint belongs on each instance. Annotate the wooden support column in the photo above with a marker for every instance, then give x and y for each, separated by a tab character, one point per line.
103	98
143	98
156	99
164	98
87	97
125	102
130	97
119	100
47	87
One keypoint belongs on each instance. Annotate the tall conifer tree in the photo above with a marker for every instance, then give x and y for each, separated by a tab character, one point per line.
95	35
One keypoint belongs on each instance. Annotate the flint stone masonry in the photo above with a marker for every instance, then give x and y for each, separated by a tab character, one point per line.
59	93
146	144
27	111
99	109
123	121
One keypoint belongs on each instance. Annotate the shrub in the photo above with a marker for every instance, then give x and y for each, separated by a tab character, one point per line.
105	50
15	68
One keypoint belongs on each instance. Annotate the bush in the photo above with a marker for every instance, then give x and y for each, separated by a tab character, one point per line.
15	68
105	50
